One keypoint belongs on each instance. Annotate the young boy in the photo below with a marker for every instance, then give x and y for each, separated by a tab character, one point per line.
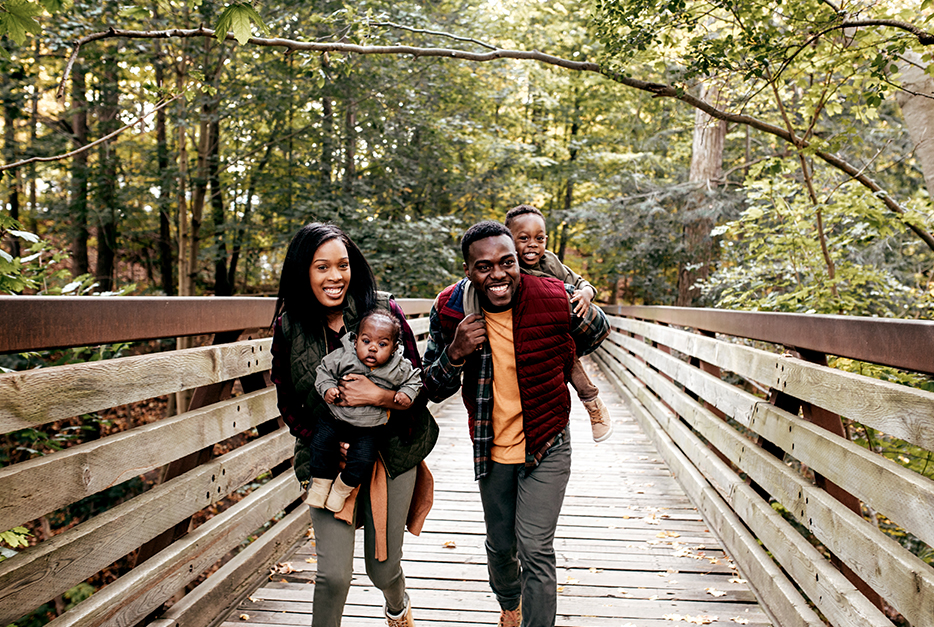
527	225
374	351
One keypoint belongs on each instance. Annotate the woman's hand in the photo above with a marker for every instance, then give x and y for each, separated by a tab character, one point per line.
356	390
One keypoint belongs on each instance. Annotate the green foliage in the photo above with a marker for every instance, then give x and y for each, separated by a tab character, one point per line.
17	18
239	18
772	258
15	537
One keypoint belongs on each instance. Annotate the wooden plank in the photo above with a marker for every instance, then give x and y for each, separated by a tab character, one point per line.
34	397
839	460
831	592
39	573
213	599
419	326
897	410
38	486
779	598
151	583
904	580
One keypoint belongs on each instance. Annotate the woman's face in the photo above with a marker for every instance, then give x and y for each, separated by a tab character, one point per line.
329	273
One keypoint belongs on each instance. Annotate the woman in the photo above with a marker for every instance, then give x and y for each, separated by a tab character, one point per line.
326	285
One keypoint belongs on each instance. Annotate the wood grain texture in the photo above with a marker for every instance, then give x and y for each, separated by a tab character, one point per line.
904	580
897	410
39	573
832	594
904	496
151	583
41	485
35	397
213	599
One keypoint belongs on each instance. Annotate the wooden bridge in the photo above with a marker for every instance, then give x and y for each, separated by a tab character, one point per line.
729	493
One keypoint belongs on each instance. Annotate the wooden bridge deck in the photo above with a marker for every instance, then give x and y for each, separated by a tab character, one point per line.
632	550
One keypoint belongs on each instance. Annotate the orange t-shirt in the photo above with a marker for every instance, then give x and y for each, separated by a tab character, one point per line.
508	436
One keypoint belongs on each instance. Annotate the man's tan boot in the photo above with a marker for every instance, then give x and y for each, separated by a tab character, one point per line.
318	492
599	419
339	493
510	618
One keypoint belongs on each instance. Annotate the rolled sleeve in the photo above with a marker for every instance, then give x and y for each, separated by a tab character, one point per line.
442	377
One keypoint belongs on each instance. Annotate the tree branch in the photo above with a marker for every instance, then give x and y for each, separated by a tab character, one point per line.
657	89
11	166
433	32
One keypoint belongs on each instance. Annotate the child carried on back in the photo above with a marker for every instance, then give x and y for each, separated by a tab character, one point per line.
527	225
375	352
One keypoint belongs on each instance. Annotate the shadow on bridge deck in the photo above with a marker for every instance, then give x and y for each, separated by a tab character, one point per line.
631	548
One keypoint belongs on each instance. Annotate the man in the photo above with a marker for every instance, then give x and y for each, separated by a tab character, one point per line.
512	338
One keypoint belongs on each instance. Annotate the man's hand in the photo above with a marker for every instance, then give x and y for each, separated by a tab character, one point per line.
468	337
332	395
581	300
401	398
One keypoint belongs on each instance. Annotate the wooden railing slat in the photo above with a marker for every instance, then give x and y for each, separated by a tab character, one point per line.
841	461
41	485
903	579
35	397
833	595
904	412
56	565
151	583
211	602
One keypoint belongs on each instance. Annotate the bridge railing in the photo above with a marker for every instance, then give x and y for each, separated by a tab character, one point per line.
156	526
746	413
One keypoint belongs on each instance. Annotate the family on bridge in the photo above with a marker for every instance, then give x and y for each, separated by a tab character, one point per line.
353	390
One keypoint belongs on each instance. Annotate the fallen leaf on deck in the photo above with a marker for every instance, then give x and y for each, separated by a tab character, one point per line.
714	592
283	568
251	599
595	570
620	592
311	560
560	588
740	621
244	617
701	620
571	580
737	580
654	597
450	544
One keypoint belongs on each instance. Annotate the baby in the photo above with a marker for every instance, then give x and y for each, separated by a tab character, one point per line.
375	352
527	225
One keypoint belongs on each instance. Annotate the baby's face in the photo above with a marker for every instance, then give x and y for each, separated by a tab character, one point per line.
374	342
528	232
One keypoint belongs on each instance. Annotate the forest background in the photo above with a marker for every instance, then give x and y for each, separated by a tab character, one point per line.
771	155
805	192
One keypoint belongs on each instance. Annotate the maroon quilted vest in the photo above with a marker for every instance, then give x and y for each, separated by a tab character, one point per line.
545	351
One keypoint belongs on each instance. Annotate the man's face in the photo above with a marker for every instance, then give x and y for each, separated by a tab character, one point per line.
493	268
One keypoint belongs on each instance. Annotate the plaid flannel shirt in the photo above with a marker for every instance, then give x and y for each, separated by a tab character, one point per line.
443	378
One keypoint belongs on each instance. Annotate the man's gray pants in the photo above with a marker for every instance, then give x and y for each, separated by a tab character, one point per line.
334	542
521	514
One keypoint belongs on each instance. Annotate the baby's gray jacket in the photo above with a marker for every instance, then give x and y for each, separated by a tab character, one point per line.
396	374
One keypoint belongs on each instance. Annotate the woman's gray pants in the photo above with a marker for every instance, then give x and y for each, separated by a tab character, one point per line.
334	541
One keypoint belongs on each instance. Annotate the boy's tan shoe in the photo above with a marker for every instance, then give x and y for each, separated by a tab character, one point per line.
599	420
510	618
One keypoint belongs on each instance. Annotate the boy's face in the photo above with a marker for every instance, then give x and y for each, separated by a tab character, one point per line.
375	344
528	231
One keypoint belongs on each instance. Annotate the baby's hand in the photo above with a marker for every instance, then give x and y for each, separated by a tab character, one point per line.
332	395
402	399
582	299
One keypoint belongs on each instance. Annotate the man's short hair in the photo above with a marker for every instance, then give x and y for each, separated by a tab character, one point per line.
482	230
522	210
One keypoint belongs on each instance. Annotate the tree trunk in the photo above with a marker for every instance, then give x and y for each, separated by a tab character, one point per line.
78	207
918	111
10	113
222	284
706	170
107	181
165	185
327	130
350	149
